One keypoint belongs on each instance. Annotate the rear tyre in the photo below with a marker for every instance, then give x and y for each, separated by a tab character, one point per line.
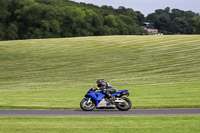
87	106
125	106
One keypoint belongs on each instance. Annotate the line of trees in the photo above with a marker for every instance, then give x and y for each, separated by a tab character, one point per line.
175	21
26	19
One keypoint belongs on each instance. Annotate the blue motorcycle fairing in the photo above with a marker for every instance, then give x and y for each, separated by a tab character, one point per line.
119	92
96	96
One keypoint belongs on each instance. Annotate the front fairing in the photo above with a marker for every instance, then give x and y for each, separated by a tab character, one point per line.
96	96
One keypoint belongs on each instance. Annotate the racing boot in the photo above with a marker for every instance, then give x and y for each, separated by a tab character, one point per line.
111	99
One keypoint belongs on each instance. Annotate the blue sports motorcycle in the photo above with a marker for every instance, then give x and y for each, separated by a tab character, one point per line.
94	98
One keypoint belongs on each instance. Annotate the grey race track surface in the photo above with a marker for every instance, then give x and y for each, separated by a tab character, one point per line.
188	111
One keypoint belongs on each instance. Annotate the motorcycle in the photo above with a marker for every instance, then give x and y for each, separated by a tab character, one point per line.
94	98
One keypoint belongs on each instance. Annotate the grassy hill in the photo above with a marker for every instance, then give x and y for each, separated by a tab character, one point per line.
159	71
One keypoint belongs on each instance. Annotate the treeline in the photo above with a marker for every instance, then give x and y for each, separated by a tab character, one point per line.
25	19
175	21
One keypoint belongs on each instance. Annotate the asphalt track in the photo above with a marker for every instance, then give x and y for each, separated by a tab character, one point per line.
132	112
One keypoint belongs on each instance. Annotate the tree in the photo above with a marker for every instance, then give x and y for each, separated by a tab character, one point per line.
110	20
174	21
12	31
23	19
1	31
4	9
140	18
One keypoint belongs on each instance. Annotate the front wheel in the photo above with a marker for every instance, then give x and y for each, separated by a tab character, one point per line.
87	105
124	106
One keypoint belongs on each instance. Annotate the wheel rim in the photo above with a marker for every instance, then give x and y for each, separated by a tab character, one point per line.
124	104
88	105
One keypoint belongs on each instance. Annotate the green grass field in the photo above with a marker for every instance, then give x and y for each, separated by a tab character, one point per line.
101	124
159	71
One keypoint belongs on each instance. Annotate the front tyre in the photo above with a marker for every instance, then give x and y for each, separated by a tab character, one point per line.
124	106
87	106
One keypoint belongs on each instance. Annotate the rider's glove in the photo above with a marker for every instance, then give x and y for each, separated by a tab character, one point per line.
96	89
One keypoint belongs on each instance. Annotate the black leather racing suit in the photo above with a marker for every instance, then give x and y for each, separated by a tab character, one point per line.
107	89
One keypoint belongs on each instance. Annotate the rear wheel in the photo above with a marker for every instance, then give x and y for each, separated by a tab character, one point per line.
87	106
124	106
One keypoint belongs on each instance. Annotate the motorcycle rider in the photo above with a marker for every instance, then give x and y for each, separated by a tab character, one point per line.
106	88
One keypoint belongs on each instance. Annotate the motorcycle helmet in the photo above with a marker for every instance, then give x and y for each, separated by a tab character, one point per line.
99	82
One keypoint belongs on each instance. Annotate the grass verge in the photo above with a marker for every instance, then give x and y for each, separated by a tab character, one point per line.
99	124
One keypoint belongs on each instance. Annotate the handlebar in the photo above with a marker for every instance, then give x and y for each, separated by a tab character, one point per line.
95	88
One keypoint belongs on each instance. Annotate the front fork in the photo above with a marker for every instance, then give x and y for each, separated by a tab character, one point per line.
88	100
